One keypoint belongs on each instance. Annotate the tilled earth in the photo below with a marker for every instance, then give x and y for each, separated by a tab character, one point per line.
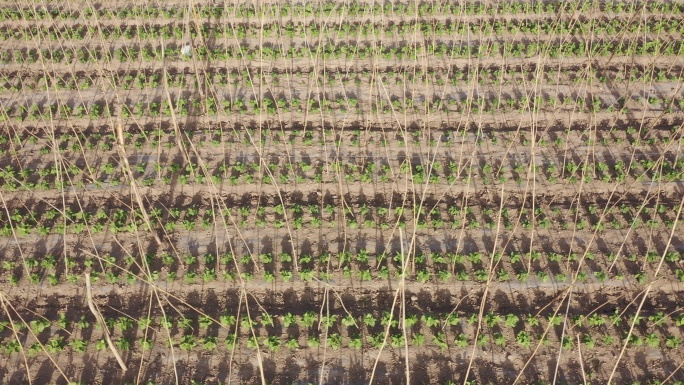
385	218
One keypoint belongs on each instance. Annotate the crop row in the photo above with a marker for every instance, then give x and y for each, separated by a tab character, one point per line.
486	103
348	9
362	147
449	100
456	76
656	330
617	217
356	216
93	221
370	323
420	30
359	268
442	172
293	331
329	51
314	216
651	132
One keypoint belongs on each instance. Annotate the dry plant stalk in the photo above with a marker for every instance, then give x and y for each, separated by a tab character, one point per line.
134	185
100	320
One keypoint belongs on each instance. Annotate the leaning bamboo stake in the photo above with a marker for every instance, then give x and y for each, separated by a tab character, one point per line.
6	305
402	284
131	179
100	320
16	337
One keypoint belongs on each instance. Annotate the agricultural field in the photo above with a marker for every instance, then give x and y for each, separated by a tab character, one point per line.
341	192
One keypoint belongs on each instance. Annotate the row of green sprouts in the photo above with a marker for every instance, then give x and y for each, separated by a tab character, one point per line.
450	103
444	331
534	267
221	77
413	29
352	8
361	215
442	172
658	46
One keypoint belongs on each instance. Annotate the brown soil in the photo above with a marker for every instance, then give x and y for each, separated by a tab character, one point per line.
563	221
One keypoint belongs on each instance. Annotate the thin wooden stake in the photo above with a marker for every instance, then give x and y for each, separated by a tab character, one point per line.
98	316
